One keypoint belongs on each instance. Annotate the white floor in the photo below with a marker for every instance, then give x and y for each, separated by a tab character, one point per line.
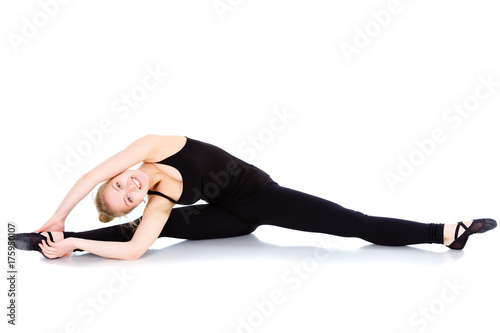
256	283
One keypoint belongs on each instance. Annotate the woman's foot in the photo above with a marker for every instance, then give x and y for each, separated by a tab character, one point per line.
456	235
31	241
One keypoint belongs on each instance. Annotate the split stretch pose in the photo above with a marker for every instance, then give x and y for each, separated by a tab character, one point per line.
240	197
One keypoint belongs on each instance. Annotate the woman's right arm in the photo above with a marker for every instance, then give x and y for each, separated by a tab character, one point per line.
137	152
80	190
82	187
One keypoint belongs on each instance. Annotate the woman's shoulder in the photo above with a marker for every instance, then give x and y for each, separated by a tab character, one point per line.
163	137
164	145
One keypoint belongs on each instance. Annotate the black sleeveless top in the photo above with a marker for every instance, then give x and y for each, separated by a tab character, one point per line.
213	175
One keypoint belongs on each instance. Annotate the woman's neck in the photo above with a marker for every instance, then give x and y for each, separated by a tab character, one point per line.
151	172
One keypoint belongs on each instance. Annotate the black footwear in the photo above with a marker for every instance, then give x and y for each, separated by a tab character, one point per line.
477	226
31	241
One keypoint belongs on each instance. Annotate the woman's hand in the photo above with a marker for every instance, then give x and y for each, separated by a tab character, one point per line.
53	224
62	248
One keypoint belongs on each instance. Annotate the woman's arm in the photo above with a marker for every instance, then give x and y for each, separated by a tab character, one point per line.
147	232
64	247
137	152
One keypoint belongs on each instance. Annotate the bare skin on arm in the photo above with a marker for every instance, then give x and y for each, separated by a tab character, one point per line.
126	193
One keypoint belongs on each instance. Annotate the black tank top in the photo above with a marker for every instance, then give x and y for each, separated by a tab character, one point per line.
212	174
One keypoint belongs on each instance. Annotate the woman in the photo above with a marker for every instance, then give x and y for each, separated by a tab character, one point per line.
240	197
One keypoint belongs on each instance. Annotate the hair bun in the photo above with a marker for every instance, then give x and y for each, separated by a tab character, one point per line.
105	217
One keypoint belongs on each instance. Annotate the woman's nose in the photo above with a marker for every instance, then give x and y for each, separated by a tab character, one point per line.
131	186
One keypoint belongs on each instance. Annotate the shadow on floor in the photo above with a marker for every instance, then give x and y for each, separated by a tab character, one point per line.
251	248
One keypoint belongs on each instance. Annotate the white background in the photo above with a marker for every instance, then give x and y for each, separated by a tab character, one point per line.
228	75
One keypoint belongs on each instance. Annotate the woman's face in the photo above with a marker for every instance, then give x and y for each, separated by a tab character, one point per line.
126	191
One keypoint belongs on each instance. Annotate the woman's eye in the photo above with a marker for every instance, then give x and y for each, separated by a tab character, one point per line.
129	198
118	185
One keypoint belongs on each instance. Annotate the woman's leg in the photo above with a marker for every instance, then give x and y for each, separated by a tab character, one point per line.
283	207
204	222
190	222
292	209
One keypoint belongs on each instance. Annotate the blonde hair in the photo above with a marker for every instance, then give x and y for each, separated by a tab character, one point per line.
105	213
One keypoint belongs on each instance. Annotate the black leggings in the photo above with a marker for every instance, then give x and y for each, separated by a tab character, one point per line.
282	207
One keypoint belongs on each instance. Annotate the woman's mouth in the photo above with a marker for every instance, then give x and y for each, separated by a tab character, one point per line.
137	182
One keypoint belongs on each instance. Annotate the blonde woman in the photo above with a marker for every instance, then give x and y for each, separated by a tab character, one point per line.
240	197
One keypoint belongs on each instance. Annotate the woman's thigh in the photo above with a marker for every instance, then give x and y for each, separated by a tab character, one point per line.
204	222
288	208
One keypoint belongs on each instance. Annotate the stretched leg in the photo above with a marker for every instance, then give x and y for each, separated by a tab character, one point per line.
204	222
292	209
189	222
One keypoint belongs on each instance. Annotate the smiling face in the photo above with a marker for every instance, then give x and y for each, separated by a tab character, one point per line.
125	191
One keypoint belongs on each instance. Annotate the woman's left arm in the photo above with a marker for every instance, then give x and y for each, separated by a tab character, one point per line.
147	232
64	247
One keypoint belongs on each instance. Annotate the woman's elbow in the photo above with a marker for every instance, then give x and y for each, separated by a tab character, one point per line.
135	254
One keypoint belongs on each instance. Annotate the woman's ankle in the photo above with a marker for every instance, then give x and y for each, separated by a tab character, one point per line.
449	232
57	235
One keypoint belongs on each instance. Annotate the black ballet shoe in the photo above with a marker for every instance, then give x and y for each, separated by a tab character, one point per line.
477	226
31	241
